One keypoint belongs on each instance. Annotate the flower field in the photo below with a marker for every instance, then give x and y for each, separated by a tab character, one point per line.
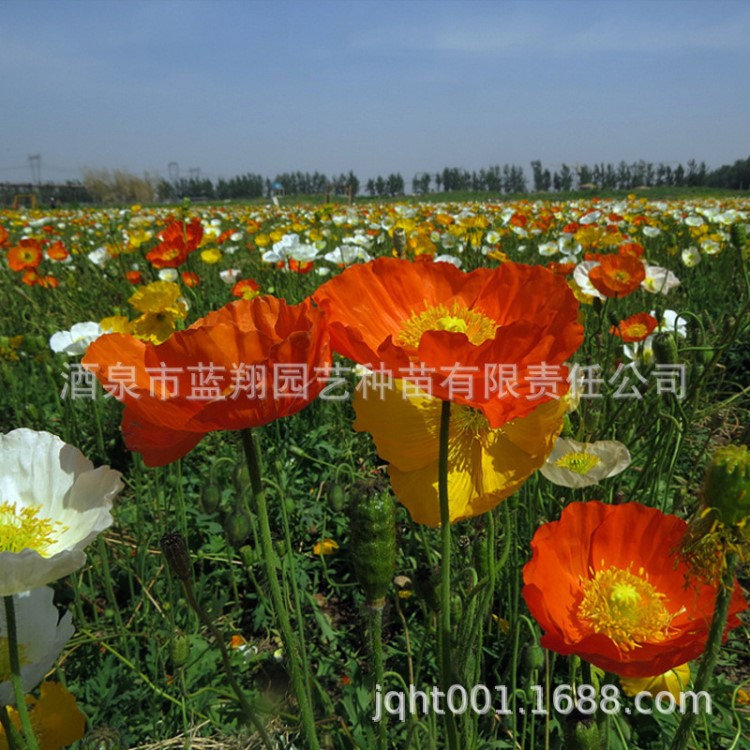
378	475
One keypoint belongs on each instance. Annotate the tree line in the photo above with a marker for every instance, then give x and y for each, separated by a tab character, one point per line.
103	186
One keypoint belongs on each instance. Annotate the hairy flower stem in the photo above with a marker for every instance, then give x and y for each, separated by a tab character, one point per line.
15	671
713	648
445	572
291	645
376	645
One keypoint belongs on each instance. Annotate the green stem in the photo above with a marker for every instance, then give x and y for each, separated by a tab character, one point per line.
12	737
376	643
445	571
713	648
291	644
15	671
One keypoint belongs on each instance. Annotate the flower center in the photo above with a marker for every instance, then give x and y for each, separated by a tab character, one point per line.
579	462
23	529
477	327
625	607
636	330
469	422
620	275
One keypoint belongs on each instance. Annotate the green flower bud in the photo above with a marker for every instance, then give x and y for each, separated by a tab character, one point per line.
237	527
241	477
581	733
726	487
665	349
210	498
739	235
373	543
337	497
179	649
532	657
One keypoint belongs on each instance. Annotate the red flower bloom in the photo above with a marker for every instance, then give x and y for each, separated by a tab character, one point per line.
57	251
617	275
25	255
475	338
605	583
190	279
246	288
244	365
177	241
134	277
635	328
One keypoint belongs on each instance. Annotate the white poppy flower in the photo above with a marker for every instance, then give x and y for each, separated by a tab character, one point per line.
99	256
347	254
691	256
457	262
52	504
230	275
548	248
581	277
574	464
41	638
168	274
640	352
658	280
671	322
290	248
75	341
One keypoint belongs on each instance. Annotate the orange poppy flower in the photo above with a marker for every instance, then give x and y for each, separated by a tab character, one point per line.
479	339
244	365
26	254
134	277
177	241
617	275
3	236
191	279
57	251
635	328
246	288
633	249
605	583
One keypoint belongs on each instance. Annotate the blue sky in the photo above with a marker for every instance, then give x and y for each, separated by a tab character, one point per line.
231	86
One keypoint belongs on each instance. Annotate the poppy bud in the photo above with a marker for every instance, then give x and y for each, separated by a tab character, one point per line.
337	497
241	477
726	487
533	657
179	649
237	528
739	235
210	498
373	543
665	349
581	732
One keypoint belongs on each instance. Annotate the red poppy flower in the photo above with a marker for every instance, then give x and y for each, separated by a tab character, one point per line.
244	365
189	278
617	275
3	236
605	583
634	249
177	241
134	277
25	255
635	328
479	338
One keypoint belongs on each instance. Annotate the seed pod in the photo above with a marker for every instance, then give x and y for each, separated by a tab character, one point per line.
665	349
581	732
176	553
237	527
373	543
210	498
179	649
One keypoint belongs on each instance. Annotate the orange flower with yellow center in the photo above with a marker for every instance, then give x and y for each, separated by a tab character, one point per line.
617	275
635	328
605	583
27	254
478	338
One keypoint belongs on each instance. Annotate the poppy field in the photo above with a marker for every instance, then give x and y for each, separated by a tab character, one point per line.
378	475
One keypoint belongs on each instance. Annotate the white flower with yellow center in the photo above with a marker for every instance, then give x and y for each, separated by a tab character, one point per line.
41	638
574	464
52	504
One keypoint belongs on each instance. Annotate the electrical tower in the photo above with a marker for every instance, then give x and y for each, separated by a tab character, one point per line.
35	164
174	172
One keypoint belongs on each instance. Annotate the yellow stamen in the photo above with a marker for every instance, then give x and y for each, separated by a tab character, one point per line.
578	462
477	327
468	421
625	607
636	330
21	528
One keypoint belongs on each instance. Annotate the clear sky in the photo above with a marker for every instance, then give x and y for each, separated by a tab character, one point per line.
230	87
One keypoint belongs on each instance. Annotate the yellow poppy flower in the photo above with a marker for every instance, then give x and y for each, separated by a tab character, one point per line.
485	465
325	547
675	681
211	255
55	718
